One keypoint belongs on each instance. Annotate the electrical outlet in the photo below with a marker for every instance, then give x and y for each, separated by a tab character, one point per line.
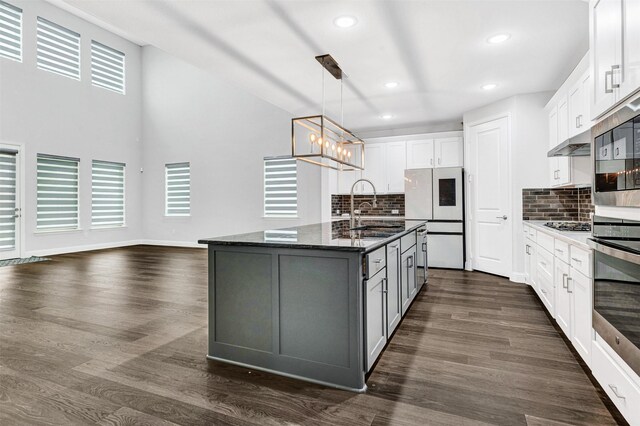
395	211
338	212
356	211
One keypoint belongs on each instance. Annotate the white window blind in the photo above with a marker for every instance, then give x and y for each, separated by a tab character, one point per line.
280	187
57	205
10	31
58	49
107	67
7	200
107	194
178	189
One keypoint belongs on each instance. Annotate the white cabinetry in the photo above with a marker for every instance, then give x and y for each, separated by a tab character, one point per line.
563	296
579	102
375	169
396	164
615	52
582	335
448	152
420	154
394	307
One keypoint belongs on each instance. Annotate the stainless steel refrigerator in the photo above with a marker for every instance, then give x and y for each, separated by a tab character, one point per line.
436	195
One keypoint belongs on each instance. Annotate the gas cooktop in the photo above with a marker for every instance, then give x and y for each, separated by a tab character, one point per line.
570	226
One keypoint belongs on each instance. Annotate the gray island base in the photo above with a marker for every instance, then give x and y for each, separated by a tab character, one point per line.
310	302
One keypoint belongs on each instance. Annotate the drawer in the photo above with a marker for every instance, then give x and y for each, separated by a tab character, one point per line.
581	260
616	383
546	241
545	263
407	241
532	234
561	250
376	260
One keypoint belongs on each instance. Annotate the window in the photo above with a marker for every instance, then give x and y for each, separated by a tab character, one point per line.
58	49
107	67
107	194
57	205
7	199
10	32
178	189
280	187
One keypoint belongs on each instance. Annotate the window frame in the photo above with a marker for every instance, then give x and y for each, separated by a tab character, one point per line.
168	167
268	215
39	229
124	195
60	28
124	67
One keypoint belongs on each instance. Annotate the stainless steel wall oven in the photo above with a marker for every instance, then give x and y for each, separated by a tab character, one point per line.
616	286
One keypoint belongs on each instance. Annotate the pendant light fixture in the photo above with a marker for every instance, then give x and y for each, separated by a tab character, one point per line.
319	140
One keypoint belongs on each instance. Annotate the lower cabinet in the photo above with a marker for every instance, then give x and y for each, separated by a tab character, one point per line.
530	260
376	308
544	274
564	299
394	306
408	278
581	315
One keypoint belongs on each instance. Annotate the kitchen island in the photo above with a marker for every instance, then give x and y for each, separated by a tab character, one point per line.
316	302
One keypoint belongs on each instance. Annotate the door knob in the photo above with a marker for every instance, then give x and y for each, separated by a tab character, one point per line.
502	217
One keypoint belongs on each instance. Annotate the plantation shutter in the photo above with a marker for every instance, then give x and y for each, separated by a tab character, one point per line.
280	187
58	49
7	200
178	189
107	194
57	194
10	31
107	67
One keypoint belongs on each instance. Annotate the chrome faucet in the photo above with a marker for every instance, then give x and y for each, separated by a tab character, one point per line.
375	199
359	214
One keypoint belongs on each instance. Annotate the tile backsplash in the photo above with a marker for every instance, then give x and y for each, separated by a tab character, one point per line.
386	204
557	204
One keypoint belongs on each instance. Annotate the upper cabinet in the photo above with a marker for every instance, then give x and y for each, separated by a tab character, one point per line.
579	102
436	152
420	154
615	52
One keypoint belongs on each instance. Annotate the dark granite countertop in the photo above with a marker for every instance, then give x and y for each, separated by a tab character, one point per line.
323	236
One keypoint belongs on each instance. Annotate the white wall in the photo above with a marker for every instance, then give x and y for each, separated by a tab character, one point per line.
224	132
51	114
529	163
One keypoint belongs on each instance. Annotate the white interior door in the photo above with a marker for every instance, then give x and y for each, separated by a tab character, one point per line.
489	194
9	203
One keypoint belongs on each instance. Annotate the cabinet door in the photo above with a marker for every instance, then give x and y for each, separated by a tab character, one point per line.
576	101
411	273
449	152
405	280
396	164
563	297
544	274
420	154
375	168
533	255
563	120
553	127
630	78
394	305
606	17
376	319
554	171
581	337
564	171
527	262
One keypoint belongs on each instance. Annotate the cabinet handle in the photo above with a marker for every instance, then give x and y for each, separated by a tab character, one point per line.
617	151
580	120
576	260
439	160
431	161
564	281
526	249
385	286
577	122
560	250
377	261
616	393
543	290
608	74
394	246
613	69
568	289
424	247
410	262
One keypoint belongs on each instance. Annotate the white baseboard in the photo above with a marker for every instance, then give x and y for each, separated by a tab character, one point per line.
518	277
75	249
166	243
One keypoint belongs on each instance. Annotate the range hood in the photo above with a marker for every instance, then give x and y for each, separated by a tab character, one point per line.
577	146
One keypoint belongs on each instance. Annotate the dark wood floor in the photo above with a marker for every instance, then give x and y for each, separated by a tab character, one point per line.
119	336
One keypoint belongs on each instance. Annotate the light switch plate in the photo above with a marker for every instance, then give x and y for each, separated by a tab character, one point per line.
395	211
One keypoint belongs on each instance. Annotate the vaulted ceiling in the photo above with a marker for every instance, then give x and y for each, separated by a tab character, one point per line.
437	51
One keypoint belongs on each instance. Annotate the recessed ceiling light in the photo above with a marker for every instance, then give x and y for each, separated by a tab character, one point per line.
386	116
490	86
499	38
391	84
345	21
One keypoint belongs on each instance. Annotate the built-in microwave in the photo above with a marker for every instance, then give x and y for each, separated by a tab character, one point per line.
616	286
616	152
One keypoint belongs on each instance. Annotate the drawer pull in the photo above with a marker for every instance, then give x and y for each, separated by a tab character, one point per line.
560	250
565	284
616	393
543	290
568	287
576	260
377	261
